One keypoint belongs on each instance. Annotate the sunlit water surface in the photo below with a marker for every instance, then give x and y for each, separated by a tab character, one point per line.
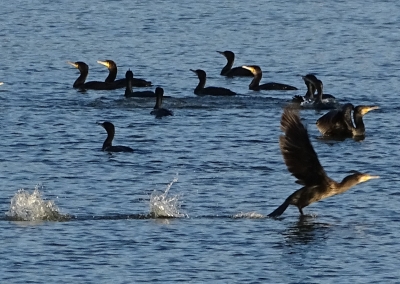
190	204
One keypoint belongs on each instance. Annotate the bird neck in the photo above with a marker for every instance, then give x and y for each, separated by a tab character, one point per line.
81	79
158	102
128	88
359	123
347	183
255	83
320	93
112	74
227	67
108	142
310	91
201	84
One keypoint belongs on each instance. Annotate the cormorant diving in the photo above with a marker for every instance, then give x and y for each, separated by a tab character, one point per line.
257	75
302	161
200	90
107	145
92	85
338	123
228	71
129	91
158	110
121	83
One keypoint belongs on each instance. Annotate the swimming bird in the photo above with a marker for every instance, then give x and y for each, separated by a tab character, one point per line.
228	71
158	110
257	75
129	93
309	96
107	145
1	83
338	123
92	85
302	161
200	90
121	83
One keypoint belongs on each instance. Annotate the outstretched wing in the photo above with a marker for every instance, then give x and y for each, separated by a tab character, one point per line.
298	153
336	122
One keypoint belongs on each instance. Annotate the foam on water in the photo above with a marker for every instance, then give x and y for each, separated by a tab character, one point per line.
32	207
162	205
249	215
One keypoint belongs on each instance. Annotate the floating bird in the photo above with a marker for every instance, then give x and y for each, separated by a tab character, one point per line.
200	90
92	85
309	96
1	83
107	145
121	83
338	123
228	71
158	110
129	93
302	161
321	100
257	75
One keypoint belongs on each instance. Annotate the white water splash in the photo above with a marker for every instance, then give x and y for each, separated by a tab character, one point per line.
31	207
249	215
162	205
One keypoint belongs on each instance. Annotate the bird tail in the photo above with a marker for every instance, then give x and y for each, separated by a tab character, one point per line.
279	211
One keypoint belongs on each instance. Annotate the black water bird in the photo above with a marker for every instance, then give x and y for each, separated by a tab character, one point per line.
92	85
200	90
121	83
302	161
158	111
228	71
107	145
338	123
320	100
257	75
129	93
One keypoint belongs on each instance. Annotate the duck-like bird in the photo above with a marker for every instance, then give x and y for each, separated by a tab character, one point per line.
338	123
257	75
92	85
107	145
228	71
302	161
121	83
158	111
201	90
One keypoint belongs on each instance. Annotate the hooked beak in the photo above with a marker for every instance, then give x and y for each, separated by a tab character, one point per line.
73	64
368	109
105	63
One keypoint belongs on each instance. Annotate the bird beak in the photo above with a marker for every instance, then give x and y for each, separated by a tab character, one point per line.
221	52
368	109
368	177
73	64
194	71
105	63
251	69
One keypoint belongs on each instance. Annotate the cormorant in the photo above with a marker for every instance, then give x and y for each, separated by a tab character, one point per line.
338	123
92	85
121	83
200	90
228	71
302	161
128	89
309	96
107	145
257	75
158	110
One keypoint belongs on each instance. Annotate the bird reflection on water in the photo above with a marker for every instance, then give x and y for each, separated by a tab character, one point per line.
306	230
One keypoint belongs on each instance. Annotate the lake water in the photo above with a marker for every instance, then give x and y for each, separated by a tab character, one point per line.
215	165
